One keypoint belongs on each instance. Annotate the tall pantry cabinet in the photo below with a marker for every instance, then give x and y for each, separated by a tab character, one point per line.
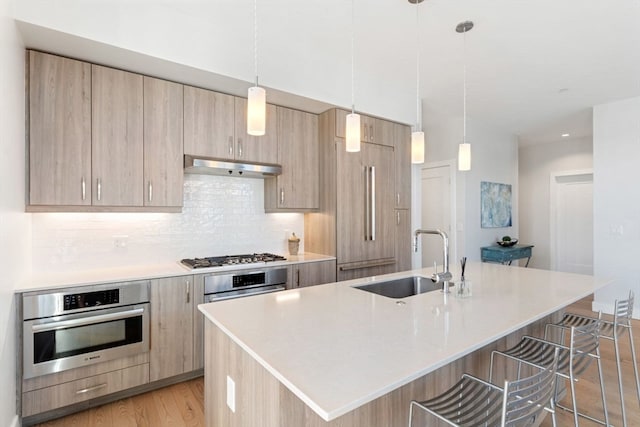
357	220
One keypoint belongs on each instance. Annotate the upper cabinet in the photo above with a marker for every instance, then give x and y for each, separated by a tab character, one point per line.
215	126
163	130
59	120
373	130
297	188
402	149
116	137
102	139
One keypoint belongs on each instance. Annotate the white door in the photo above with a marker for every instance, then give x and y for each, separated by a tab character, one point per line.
572	227
436	212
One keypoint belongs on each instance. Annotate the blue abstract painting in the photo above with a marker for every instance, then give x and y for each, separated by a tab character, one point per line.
496	205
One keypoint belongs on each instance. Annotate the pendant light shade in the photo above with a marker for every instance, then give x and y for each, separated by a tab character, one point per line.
417	136
256	111
352	125
464	149
256	96
464	157
417	147
352	134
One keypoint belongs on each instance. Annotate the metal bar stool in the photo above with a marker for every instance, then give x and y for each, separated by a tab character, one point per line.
572	361
474	402
610	331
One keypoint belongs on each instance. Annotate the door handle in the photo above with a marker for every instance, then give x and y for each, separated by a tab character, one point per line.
150	191
282	195
84	321
366	203
99	189
372	176
239	147
188	291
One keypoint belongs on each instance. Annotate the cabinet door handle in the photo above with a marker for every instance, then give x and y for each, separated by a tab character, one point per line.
88	389
397	199
231	146
364	132
398	218
83	186
99	189
150	191
239	147
367	204
373	202
282	196
187	291
371	132
297	278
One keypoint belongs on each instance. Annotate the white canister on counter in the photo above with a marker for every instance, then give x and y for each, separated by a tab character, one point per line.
294	244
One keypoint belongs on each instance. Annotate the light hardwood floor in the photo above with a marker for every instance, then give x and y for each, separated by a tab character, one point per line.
183	404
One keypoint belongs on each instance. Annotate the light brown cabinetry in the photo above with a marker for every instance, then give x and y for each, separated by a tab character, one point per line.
311	273
356	218
215	127
116	137
59	120
402	151
68	393
172	336
297	188
373	130
404	243
102	139
163	131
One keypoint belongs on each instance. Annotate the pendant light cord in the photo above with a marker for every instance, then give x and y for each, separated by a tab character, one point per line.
464	85
353	36
255	38
418	118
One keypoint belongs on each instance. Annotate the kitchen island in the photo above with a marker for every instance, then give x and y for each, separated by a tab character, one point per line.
332	355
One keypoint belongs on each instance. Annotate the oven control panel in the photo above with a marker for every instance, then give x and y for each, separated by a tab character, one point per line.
91	299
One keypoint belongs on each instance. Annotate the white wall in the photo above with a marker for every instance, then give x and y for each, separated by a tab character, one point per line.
536	164
494	158
616	193
221	216
14	223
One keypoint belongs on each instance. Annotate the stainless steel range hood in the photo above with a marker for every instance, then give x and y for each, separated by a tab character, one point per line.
203	165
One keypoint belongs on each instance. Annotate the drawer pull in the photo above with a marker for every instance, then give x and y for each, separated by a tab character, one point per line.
368	265
94	388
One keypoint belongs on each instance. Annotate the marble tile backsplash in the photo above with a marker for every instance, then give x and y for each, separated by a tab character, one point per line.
221	215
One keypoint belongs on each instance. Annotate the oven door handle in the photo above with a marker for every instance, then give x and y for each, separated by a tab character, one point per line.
247	294
52	326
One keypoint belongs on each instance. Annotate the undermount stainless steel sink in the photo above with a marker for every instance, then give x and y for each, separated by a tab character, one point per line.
401	288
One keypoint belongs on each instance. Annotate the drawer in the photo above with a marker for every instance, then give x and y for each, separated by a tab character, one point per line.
46	399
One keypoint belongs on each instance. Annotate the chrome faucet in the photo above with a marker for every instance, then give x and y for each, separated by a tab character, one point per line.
436	277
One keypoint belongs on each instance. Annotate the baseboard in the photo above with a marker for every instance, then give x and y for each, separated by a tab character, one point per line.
15	422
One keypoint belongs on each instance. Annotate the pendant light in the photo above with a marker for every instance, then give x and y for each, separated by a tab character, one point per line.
464	149
352	130
417	136
256	97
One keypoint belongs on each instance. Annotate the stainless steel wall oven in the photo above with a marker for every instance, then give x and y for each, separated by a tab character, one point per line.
75	327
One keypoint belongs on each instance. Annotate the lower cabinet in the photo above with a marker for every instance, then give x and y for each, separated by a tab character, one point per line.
68	393
172	339
403	240
311	273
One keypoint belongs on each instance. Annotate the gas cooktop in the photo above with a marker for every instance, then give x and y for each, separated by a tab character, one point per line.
221	261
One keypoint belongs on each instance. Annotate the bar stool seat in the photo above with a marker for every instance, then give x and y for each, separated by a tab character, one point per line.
611	331
474	402
572	361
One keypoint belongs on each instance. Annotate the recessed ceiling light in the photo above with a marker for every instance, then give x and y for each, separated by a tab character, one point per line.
563	90
564	135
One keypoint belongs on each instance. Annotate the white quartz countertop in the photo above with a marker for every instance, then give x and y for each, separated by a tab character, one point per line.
337	348
43	282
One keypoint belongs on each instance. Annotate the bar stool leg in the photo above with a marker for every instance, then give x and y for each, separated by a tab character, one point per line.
602	392
617	352
635	363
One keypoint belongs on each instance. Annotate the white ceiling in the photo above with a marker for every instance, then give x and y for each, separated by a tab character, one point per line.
534	68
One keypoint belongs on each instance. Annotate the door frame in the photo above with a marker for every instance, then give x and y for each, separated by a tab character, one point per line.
416	207
553	208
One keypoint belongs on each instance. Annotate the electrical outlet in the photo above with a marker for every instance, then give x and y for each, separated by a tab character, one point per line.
231	394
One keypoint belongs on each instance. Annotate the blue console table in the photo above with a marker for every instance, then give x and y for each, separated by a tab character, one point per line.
505	255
